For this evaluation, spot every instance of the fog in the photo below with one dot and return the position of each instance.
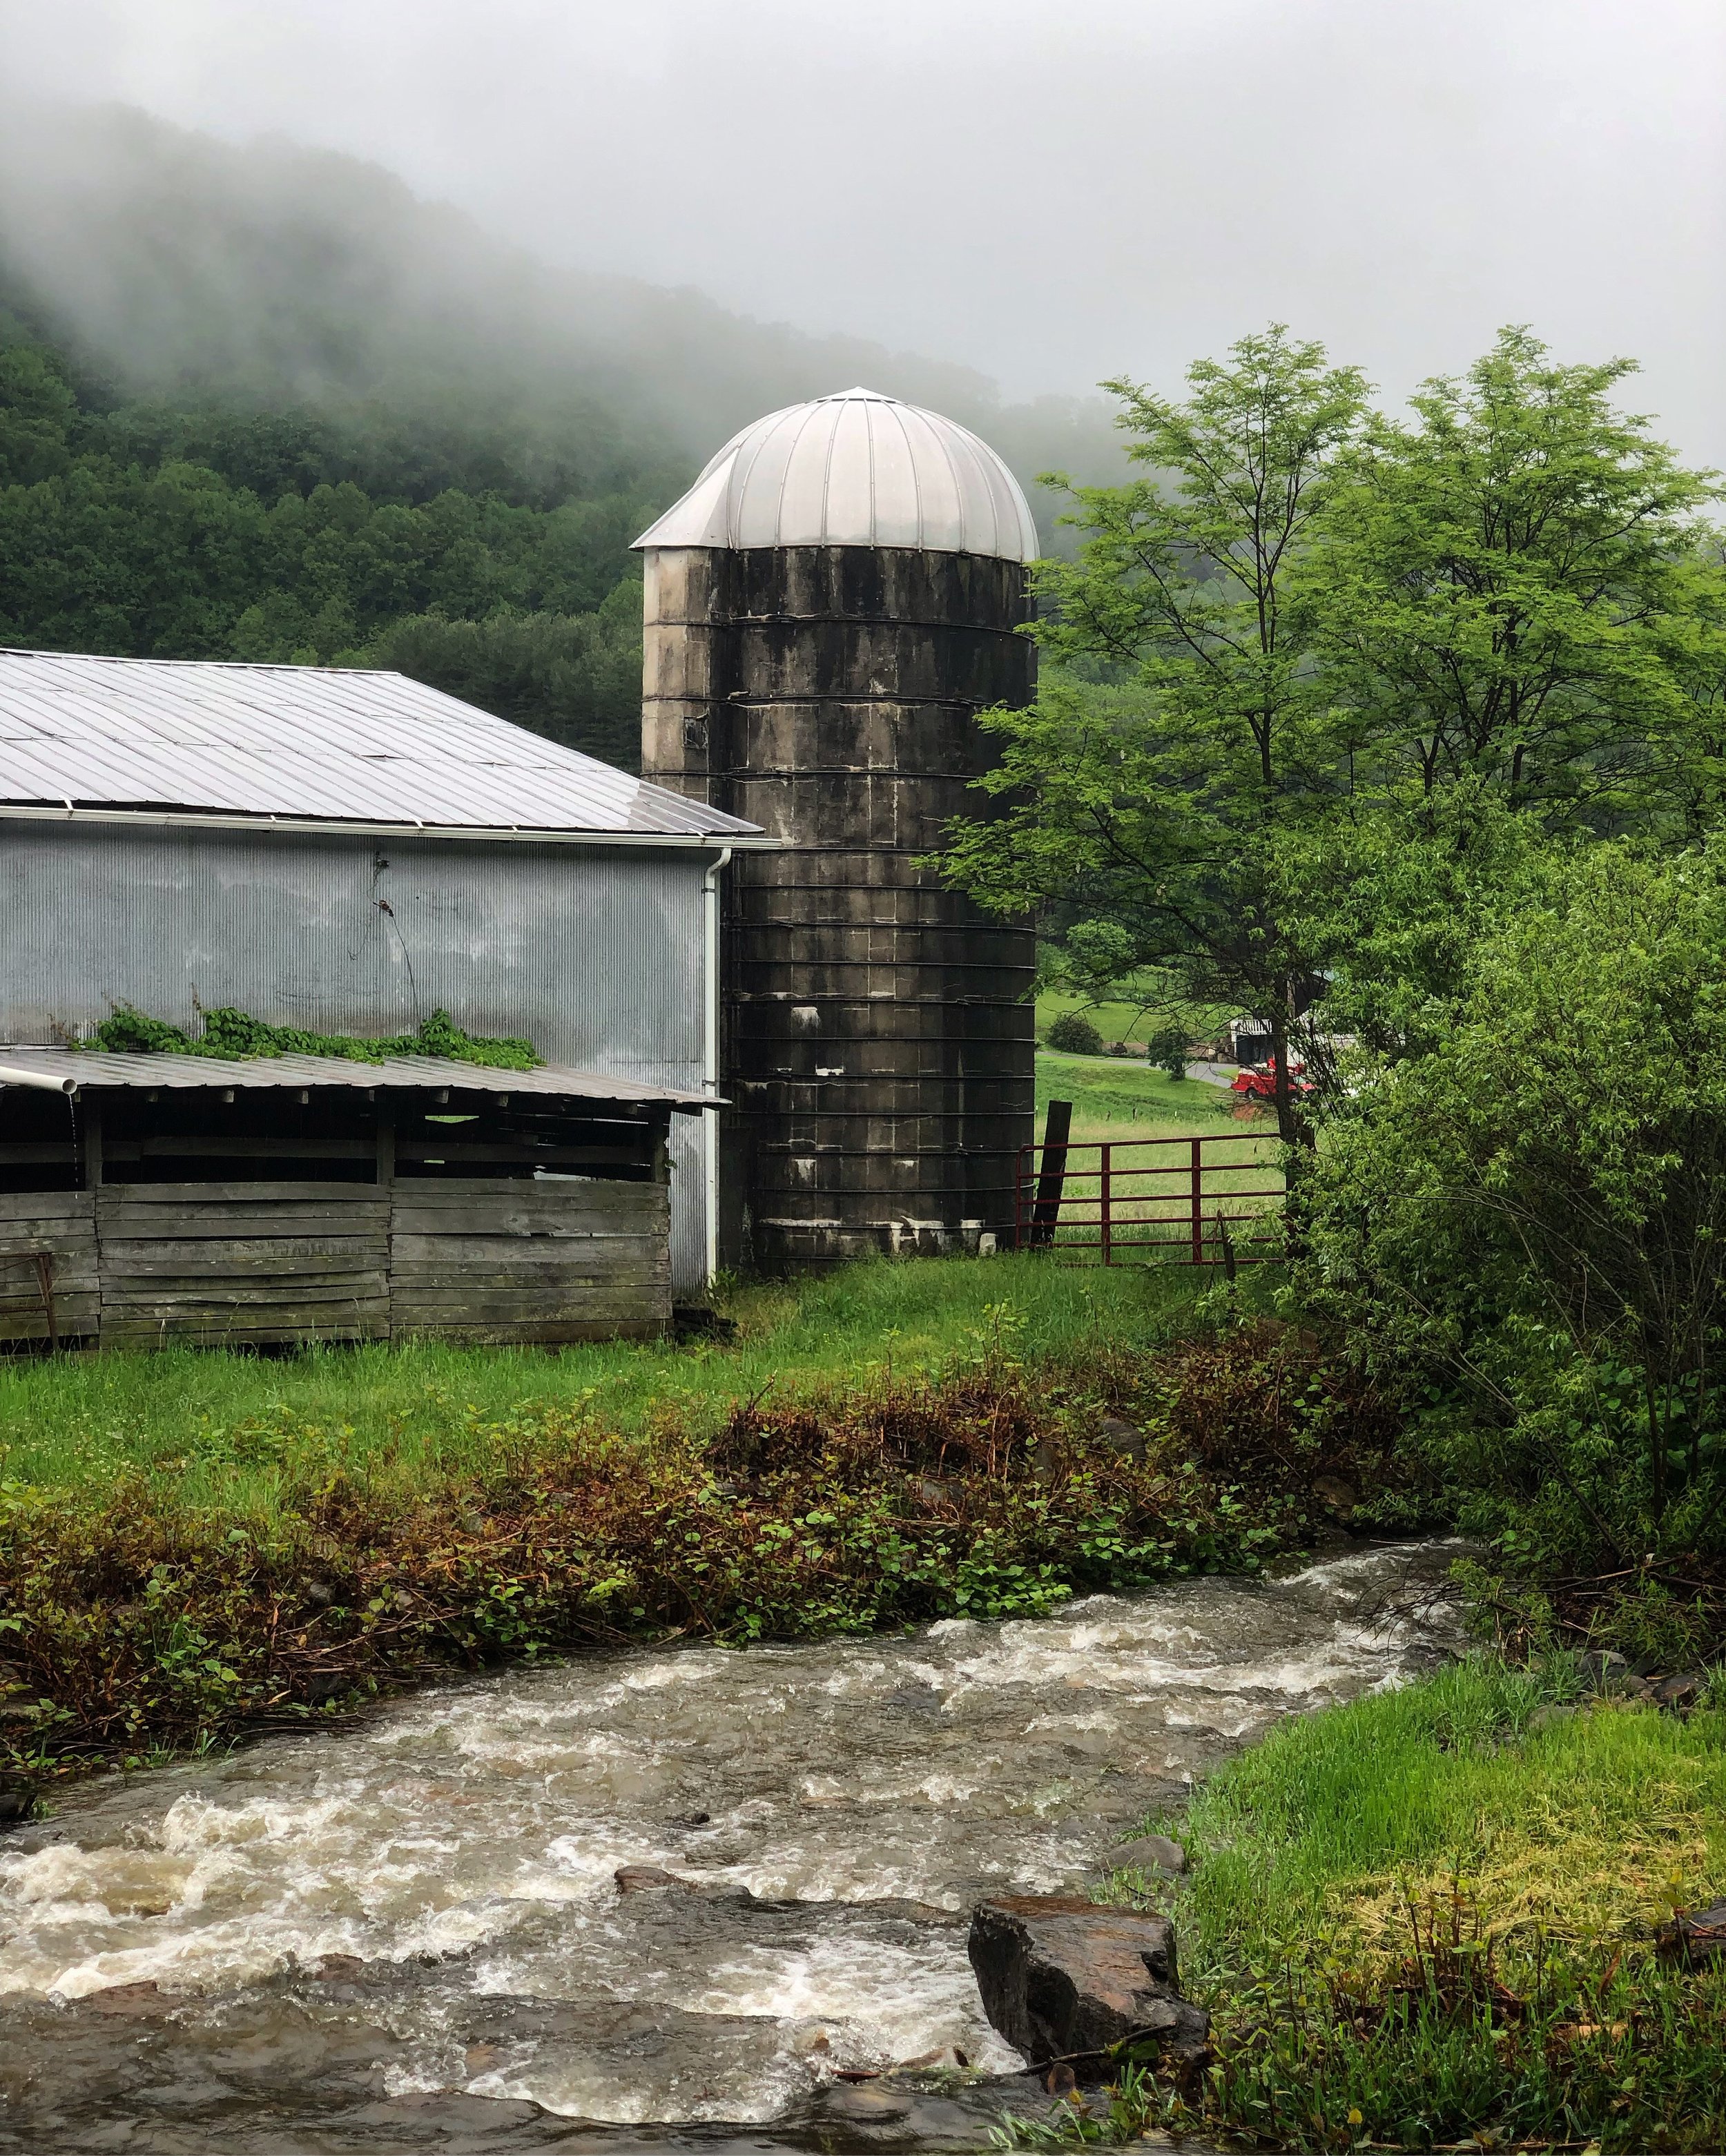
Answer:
(1045, 194)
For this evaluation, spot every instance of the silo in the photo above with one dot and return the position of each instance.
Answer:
(827, 610)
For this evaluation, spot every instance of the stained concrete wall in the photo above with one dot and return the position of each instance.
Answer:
(878, 1039)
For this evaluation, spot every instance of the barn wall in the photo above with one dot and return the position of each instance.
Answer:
(594, 953)
(223, 1264)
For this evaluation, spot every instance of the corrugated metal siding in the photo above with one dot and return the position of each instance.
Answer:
(301, 740)
(594, 954)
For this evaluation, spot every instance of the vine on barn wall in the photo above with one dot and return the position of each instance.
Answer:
(235, 1035)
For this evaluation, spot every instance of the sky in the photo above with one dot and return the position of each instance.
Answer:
(1052, 193)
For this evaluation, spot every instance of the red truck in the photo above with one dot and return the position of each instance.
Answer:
(1258, 1081)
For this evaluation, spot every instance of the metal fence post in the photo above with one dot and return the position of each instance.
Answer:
(1108, 1242)
(1198, 1201)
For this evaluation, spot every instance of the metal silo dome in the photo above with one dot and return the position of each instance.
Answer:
(854, 470)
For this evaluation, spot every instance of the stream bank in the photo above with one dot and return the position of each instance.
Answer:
(412, 1935)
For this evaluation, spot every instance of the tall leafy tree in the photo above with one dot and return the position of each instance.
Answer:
(1186, 746)
(1513, 590)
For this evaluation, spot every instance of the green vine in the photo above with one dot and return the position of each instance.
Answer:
(235, 1035)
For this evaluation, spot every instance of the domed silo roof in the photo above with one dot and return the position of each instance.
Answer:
(854, 470)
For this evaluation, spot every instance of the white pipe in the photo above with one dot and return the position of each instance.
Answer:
(709, 1048)
(12, 1075)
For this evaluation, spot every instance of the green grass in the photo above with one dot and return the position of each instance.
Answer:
(198, 1547)
(1587, 1828)
(1117, 1101)
(1113, 1096)
(1421, 1918)
(1128, 1021)
(219, 1428)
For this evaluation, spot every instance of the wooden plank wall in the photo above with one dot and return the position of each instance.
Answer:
(514, 1261)
(262, 1264)
(243, 1263)
(62, 1223)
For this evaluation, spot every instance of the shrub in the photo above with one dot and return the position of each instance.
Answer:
(1531, 1216)
(1074, 1035)
(1167, 1048)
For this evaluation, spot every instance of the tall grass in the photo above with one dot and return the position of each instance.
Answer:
(225, 1428)
(1426, 1919)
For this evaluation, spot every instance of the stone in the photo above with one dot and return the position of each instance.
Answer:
(1605, 1670)
(1549, 1717)
(1683, 1691)
(145, 2001)
(1340, 1495)
(1061, 1977)
(864, 2100)
(647, 1879)
(1146, 1852)
(18, 1803)
(1121, 1437)
(1693, 1936)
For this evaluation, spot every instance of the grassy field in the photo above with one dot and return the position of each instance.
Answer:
(1128, 1021)
(233, 1430)
(1117, 1096)
(1117, 1101)
(1426, 1919)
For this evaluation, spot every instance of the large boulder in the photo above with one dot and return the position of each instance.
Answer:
(1063, 1978)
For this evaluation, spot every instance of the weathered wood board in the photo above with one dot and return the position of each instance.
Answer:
(497, 1261)
(245, 1263)
(483, 1260)
(61, 1223)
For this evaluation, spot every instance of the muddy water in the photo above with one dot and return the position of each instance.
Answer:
(411, 1935)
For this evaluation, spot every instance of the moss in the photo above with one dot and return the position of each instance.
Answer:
(235, 1035)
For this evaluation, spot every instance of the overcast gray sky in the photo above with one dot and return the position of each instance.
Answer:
(1050, 192)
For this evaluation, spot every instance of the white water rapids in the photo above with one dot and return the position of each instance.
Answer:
(409, 1934)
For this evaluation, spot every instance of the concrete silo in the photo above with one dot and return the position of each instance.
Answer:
(827, 610)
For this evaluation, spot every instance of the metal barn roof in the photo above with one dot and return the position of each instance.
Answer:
(70, 1069)
(854, 470)
(296, 744)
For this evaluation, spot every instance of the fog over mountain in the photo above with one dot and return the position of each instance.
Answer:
(1045, 195)
(175, 265)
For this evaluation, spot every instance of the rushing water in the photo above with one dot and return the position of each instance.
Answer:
(411, 1935)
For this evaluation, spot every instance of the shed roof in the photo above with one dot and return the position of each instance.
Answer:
(71, 1070)
(326, 744)
(854, 470)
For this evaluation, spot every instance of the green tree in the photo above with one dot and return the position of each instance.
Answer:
(209, 534)
(38, 414)
(1185, 743)
(574, 678)
(1533, 1212)
(1513, 588)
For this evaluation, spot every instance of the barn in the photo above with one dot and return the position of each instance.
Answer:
(344, 853)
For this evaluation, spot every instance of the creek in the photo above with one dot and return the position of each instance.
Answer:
(409, 1933)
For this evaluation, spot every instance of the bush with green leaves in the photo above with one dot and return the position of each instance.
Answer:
(1074, 1035)
(1166, 1049)
(1528, 1220)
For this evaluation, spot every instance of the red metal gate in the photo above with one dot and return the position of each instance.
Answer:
(1215, 1198)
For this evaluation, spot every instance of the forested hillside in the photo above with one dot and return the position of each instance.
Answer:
(154, 532)
(262, 404)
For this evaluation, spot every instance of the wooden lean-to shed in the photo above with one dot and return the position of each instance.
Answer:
(345, 853)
